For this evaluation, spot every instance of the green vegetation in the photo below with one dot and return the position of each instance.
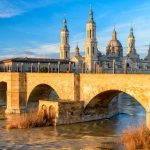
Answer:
(44, 69)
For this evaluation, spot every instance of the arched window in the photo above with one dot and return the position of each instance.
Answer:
(90, 33)
(87, 51)
(66, 40)
(66, 55)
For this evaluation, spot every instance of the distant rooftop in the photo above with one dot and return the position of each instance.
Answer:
(35, 60)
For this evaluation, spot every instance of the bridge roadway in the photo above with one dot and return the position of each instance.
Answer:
(18, 89)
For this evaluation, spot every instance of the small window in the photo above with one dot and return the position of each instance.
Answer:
(90, 33)
(88, 51)
(66, 55)
(66, 40)
(93, 50)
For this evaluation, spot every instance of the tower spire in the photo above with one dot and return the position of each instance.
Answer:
(65, 24)
(114, 34)
(131, 42)
(77, 50)
(91, 15)
(131, 32)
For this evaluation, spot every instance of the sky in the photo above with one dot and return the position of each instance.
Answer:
(31, 28)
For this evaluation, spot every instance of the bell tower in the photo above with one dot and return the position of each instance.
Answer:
(91, 44)
(65, 47)
(131, 42)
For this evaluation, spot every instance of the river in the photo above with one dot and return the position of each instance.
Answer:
(95, 135)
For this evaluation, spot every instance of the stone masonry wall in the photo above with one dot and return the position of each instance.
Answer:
(73, 112)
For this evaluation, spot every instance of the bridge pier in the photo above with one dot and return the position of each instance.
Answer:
(148, 119)
(16, 94)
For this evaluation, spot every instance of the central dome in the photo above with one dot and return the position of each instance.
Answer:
(114, 46)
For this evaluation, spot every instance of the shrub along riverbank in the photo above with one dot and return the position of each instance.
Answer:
(31, 120)
(136, 138)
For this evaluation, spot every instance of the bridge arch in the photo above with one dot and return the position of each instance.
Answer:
(40, 92)
(3, 93)
(102, 100)
(109, 93)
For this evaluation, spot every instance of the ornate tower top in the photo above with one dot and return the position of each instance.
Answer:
(77, 50)
(131, 35)
(91, 20)
(65, 25)
(114, 34)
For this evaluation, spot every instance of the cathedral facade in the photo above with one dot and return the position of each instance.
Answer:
(112, 61)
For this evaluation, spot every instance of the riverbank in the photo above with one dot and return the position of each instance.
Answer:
(134, 138)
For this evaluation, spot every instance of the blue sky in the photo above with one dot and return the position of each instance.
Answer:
(31, 28)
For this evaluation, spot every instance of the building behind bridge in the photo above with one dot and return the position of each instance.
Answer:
(36, 65)
(93, 61)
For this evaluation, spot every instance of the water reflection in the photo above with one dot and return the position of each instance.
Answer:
(89, 135)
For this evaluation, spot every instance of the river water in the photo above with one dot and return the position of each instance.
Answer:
(95, 135)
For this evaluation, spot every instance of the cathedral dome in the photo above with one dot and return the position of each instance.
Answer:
(115, 43)
(114, 46)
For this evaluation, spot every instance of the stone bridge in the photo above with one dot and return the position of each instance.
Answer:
(19, 89)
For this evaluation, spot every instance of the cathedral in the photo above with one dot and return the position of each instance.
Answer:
(113, 60)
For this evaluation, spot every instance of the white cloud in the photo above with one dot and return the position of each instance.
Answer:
(12, 8)
(138, 9)
(8, 10)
